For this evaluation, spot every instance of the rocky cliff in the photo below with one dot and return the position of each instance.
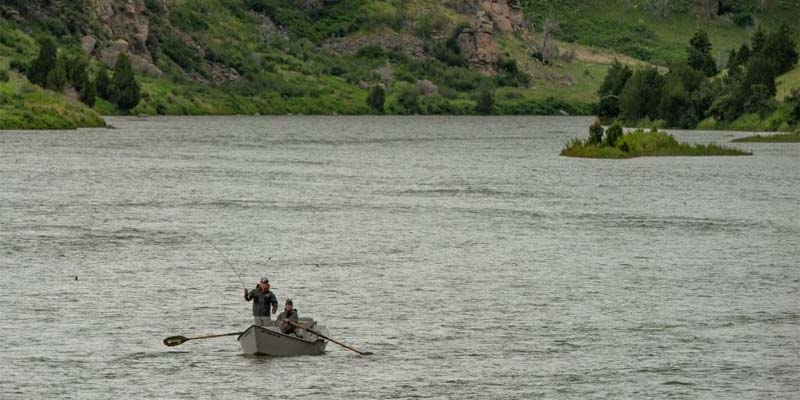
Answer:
(489, 18)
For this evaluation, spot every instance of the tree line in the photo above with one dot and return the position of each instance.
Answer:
(55, 70)
(695, 89)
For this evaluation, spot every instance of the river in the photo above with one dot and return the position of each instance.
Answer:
(463, 251)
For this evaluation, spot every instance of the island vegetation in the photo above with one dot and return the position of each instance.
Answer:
(792, 137)
(615, 143)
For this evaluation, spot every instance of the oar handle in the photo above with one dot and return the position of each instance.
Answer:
(296, 325)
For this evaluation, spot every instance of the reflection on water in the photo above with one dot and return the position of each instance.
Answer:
(464, 252)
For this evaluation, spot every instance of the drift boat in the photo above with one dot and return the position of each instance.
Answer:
(268, 340)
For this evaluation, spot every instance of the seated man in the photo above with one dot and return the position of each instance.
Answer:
(288, 314)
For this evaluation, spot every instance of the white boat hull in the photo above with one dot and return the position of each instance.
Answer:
(268, 340)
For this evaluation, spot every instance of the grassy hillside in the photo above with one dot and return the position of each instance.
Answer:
(276, 57)
(27, 106)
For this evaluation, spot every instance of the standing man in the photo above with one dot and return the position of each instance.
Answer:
(289, 314)
(262, 300)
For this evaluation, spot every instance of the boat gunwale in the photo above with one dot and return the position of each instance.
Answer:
(239, 338)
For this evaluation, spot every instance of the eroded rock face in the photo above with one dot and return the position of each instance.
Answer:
(126, 20)
(477, 45)
(491, 17)
(507, 15)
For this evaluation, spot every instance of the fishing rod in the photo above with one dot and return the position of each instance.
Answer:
(227, 262)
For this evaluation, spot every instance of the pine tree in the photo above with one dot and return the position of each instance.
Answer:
(57, 77)
(43, 64)
(758, 40)
(699, 54)
(124, 89)
(89, 94)
(101, 83)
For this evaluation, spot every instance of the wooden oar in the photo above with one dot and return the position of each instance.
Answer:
(296, 325)
(176, 340)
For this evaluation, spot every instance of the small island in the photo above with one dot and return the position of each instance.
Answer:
(776, 138)
(615, 143)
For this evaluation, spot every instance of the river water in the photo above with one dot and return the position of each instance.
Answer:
(464, 252)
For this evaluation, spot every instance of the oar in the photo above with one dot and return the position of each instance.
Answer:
(176, 340)
(296, 325)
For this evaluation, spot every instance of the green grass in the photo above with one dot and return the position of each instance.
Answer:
(645, 144)
(787, 82)
(636, 29)
(777, 138)
(27, 106)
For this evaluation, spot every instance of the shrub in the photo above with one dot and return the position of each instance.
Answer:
(613, 134)
(408, 101)
(485, 104)
(19, 66)
(596, 132)
(376, 98)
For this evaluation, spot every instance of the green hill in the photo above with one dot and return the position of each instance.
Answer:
(324, 56)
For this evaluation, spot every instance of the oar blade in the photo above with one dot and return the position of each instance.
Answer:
(175, 340)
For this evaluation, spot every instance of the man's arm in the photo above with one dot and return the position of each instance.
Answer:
(274, 304)
(247, 296)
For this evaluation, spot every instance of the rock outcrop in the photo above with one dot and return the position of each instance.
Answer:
(491, 17)
(126, 20)
(477, 45)
(507, 15)
(126, 24)
(387, 40)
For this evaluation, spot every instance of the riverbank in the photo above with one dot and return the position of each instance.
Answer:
(26, 106)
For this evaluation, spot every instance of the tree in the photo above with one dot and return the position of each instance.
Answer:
(759, 72)
(792, 101)
(641, 96)
(89, 94)
(615, 80)
(57, 77)
(44, 63)
(485, 104)
(78, 75)
(376, 98)
(779, 47)
(124, 88)
(739, 59)
(699, 54)
(760, 100)
(758, 40)
(596, 132)
(682, 102)
(101, 83)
